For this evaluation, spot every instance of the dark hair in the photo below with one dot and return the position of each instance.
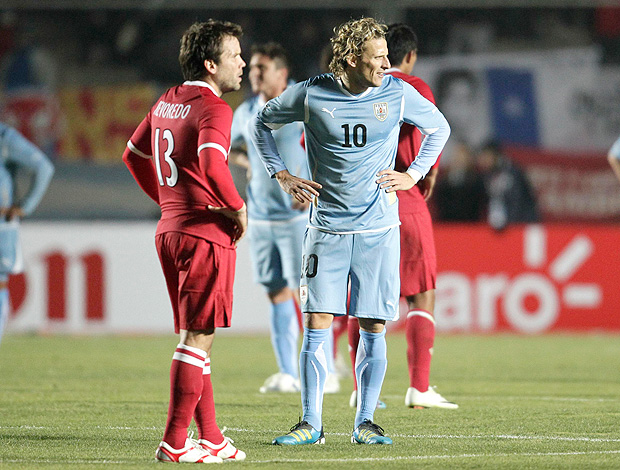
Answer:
(274, 51)
(203, 41)
(400, 41)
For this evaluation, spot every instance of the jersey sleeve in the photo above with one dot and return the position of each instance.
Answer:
(25, 154)
(213, 147)
(288, 107)
(422, 113)
(140, 141)
(139, 161)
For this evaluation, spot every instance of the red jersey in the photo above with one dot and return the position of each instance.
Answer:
(188, 134)
(409, 142)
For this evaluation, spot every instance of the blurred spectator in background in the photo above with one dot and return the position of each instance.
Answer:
(614, 158)
(460, 193)
(510, 195)
(16, 153)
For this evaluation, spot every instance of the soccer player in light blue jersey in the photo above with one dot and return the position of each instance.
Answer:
(16, 152)
(614, 158)
(277, 221)
(352, 120)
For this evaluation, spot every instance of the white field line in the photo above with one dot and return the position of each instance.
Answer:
(363, 459)
(522, 397)
(406, 436)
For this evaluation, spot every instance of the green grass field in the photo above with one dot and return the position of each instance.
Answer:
(525, 402)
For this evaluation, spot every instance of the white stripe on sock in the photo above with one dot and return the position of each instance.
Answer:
(421, 313)
(188, 359)
(198, 351)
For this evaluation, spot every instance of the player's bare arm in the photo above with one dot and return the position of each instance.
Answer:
(427, 185)
(240, 219)
(392, 180)
(302, 190)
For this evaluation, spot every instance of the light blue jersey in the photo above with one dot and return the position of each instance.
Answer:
(349, 139)
(18, 152)
(614, 151)
(266, 200)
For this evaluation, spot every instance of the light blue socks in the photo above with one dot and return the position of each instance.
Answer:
(284, 336)
(313, 369)
(370, 367)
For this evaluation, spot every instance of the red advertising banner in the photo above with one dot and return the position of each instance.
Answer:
(569, 186)
(529, 279)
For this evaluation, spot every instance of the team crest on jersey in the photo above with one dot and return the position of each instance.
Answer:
(381, 111)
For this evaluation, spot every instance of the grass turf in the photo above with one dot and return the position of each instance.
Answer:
(525, 402)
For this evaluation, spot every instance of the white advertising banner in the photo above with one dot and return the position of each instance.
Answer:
(104, 277)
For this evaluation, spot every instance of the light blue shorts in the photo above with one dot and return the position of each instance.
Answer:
(369, 261)
(276, 252)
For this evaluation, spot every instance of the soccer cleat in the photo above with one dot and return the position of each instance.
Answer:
(428, 399)
(369, 433)
(301, 433)
(353, 402)
(225, 451)
(332, 384)
(191, 453)
(280, 383)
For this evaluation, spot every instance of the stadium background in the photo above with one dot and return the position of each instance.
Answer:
(543, 77)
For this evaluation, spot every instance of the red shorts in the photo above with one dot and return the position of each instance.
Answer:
(418, 261)
(199, 275)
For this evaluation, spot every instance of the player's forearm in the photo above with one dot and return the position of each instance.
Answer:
(266, 145)
(143, 172)
(220, 180)
(43, 175)
(430, 150)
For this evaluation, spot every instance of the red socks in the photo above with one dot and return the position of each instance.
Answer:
(205, 410)
(420, 332)
(185, 389)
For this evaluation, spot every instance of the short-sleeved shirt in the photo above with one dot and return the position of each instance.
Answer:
(185, 120)
(349, 139)
(266, 200)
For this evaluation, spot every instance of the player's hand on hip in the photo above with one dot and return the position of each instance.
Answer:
(13, 212)
(302, 190)
(392, 180)
(239, 218)
(427, 185)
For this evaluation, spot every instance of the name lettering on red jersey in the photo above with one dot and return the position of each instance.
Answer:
(172, 111)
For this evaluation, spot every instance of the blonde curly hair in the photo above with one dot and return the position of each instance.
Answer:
(349, 40)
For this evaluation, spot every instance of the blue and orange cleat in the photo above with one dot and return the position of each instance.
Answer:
(301, 433)
(369, 433)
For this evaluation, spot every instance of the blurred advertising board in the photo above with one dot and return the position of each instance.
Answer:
(91, 278)
(99, 120)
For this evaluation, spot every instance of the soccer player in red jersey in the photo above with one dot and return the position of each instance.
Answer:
(418, 263)
(179, 157)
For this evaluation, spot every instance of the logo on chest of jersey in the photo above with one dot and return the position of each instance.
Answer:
(381, 111)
